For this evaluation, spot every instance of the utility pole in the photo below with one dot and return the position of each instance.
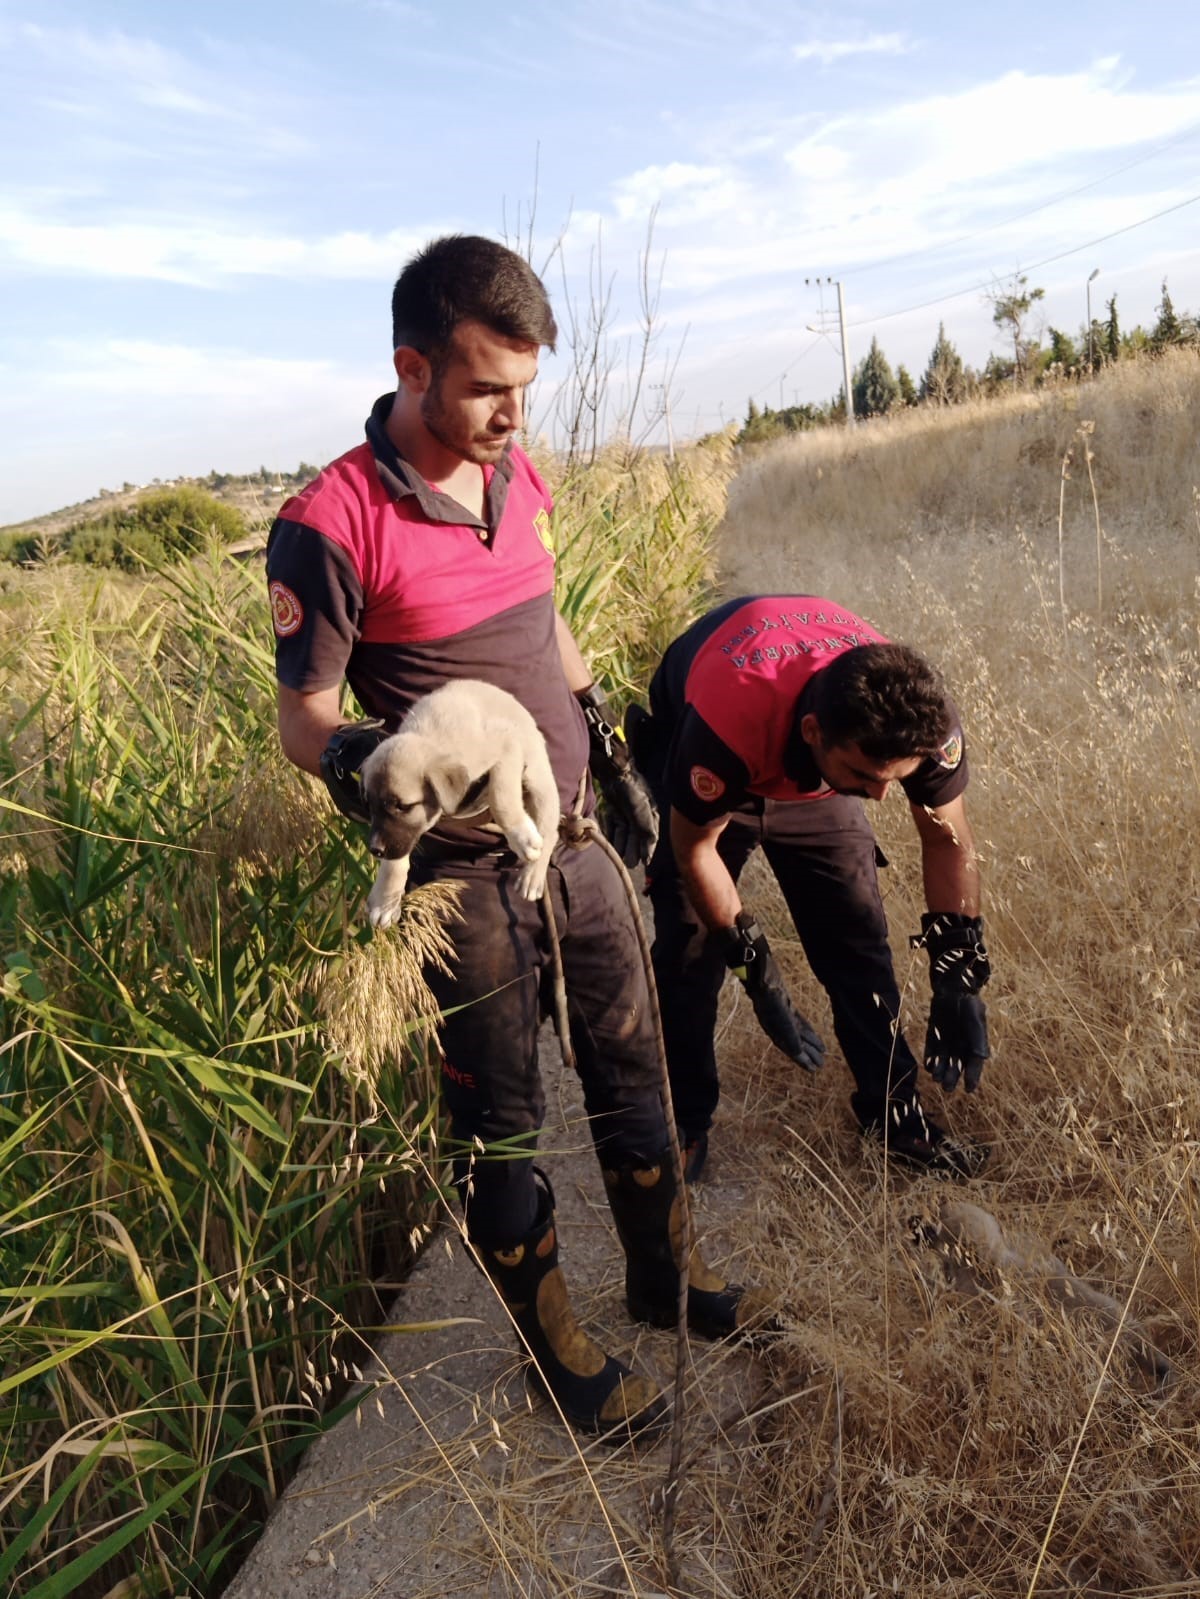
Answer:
(845, 357)
(845, 347)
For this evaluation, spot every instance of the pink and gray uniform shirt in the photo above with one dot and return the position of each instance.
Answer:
(732, 691)
(378, 577)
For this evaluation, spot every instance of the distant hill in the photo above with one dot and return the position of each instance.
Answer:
(256, 495)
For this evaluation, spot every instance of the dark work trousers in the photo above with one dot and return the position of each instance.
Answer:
(823, 855)
(499, 989)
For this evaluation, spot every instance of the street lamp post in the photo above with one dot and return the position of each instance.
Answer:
(1091, 332)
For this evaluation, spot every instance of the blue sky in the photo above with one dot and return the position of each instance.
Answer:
(202, 208)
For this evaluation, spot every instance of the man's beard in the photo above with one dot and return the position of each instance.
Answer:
(482, 450)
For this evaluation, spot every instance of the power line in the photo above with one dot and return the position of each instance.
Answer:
(975, 288)
(1077, 249)
(1019, 216)
(779, 376)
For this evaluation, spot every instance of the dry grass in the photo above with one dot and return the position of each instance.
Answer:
(823, 508)
(990, 1445)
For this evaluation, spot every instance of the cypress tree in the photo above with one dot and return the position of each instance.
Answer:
(1062, 350)
(1112, 333)
(944, 382)
(875, 386)
(1168, 329)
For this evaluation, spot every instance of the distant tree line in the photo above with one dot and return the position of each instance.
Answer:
(947, 380)
(263, 478)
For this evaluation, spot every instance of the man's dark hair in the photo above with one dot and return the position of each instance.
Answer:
(463, 277)
(886, 699)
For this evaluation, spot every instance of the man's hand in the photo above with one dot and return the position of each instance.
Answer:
(342, 763)
(956, 1040)
(627, 815)
(748, 956)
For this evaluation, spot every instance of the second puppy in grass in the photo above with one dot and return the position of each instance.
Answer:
(467, 752)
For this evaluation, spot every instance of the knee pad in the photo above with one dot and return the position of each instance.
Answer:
(499, 1198)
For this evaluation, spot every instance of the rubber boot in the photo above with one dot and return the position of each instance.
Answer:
(595, 1392)
(646, 1208)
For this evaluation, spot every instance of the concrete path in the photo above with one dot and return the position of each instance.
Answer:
(451, 1482)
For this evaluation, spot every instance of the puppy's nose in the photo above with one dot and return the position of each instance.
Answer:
(377, 848)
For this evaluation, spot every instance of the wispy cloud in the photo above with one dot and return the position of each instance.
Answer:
(682, 191)
(917, 174)
(935, 152)
(145, 71)
(197, 251)
(131, 368)
(827, 51)
(101, 97)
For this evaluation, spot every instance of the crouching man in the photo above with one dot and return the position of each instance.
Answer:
(772, 719)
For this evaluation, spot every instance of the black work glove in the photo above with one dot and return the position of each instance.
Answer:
(342, 762)
(956, 1040)
(748, 956)
(627, 815)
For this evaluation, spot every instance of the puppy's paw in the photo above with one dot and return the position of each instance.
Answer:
(524, 839)
(531, 879)
(387, 893)
(383, 910)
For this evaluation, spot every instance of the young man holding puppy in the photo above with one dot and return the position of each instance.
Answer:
(771, 719)
(423, 556)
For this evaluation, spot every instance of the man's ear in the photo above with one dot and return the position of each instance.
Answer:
(810, 730)
(413, 370)
(449, 781)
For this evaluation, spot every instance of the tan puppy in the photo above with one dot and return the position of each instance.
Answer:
(468, 751)
(978, 1258)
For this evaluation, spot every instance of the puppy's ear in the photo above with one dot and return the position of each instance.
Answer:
(449, 781)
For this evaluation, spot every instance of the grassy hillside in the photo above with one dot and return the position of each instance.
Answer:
(254, 496)
(993, 1445)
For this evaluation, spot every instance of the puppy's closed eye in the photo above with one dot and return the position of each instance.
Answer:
(398, 807)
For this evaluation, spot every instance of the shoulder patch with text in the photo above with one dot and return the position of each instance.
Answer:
(287, 613)
(706, 785)
(950, 753)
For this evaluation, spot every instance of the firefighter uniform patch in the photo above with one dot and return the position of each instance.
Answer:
(287, 614)
(706, 785)
(950, 753)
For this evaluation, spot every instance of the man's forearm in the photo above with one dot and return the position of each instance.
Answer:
(575, 668)
(949, 865)
(306, 724)
(951, 878)
(705, 876)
